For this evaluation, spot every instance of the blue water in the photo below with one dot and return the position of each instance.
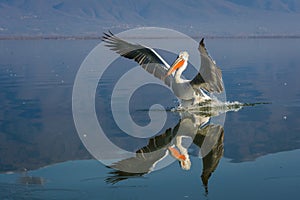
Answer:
(274, 176)
(42, 157)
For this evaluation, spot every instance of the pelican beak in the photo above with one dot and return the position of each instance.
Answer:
(176, 65)
(175, 153)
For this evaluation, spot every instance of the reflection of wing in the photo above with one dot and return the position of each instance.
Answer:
(211, 160)
(145, 159)
(117, 176)
(211, 131)
(209, 76)
(131, 164)
(149, 59)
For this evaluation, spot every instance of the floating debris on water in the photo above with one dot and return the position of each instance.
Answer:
(284, 117)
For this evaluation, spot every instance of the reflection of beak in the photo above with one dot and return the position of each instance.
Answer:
(176, 65)
(175, 153)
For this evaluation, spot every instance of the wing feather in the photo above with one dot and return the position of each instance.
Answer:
(149, 59)
(209, 76)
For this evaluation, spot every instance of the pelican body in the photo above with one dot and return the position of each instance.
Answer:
(189, 92)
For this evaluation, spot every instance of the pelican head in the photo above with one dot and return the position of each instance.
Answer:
(184, 55)
(179, 62)
(186, 163)
(183, 159)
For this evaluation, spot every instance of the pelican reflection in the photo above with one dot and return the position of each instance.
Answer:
(193, 135)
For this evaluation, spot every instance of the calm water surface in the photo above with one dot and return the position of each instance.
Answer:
(256, 155)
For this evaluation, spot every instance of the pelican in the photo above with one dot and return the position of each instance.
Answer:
(189, 92)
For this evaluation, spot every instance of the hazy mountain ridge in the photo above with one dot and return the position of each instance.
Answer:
(274, 5)
(224, 17)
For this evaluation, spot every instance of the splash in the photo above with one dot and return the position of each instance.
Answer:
(216, 107)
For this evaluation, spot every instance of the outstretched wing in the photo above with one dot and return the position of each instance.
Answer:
(149, 59)
(209, 76)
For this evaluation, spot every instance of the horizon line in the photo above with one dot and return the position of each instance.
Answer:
(98, 37)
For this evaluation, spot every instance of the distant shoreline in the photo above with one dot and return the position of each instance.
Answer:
(98, 37)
